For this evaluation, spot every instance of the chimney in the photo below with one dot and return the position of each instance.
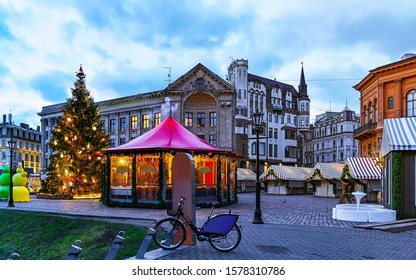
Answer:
(10, 118)
(4, 119)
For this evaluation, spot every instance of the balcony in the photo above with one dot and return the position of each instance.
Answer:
(365, 131)
(278, 108)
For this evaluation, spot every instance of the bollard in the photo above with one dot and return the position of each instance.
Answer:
(115, 247)
(145, 243)
(74, 251)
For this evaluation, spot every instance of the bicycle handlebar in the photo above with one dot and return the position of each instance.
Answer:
(181, 201)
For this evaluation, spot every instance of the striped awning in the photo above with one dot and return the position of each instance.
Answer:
(244, 174)
(329, 170)
(291, 173)
(364, 168)
(399, 134)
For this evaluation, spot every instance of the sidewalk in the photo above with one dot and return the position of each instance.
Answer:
(295, 228)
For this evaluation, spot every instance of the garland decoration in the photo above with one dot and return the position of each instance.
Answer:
(397, 188)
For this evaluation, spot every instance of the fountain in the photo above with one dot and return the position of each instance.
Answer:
(362, 213)
(358, 196)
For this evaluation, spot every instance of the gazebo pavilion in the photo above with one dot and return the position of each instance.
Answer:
(138, 173)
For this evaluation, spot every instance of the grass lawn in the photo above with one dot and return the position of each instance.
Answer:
(42, 236)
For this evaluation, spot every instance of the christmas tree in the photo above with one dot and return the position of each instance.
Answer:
(77, 142)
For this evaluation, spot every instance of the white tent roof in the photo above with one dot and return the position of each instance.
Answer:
(329, 170)
(244, 174)
(291, 173)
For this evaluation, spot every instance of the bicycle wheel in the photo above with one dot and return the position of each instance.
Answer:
(227, 242)
(170, 233)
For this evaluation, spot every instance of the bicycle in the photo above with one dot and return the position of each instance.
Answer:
(221, 231)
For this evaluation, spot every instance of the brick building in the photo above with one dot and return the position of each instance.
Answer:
(388, 91)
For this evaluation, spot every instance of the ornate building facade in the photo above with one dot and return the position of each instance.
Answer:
(388, 91)
(332, 136)
(214, 109)
(286, 117)
(28, 145)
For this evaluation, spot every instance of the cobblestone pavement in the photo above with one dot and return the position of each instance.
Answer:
(295, 228)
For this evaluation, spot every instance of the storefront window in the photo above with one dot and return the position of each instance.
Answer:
(205, 178)
(147, 172)
(121, 177)
(121, 173)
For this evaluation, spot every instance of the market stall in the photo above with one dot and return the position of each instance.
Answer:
(138, 173)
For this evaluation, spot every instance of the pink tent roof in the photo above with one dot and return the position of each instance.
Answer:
(169, 135)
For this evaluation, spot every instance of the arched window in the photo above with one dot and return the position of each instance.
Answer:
(390, 103)
(411, 103)
(365, 114)
(370, 108)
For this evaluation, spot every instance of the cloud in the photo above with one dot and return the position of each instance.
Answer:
(22, 102)
(124, 46)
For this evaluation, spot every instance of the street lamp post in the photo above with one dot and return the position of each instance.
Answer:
(12, 145)
(257, 120)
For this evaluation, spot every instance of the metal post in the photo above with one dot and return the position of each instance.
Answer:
(257, 122)
(115, 246)
(74, 250)
(257, 212)
(11, 145)
(145, 243)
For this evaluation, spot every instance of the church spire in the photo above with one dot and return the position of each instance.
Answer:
(303, 87)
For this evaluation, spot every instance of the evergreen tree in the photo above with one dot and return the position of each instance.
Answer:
(77, 143)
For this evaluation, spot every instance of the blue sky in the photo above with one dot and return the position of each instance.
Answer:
(125, 46)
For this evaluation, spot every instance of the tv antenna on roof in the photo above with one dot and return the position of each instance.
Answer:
(169, 80)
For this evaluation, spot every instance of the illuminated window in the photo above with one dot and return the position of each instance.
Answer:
(145, 121)
(157, 119)
(188, 119)
(133, 122)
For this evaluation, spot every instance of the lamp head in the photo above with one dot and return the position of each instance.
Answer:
(12, 143)
(257, 118)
